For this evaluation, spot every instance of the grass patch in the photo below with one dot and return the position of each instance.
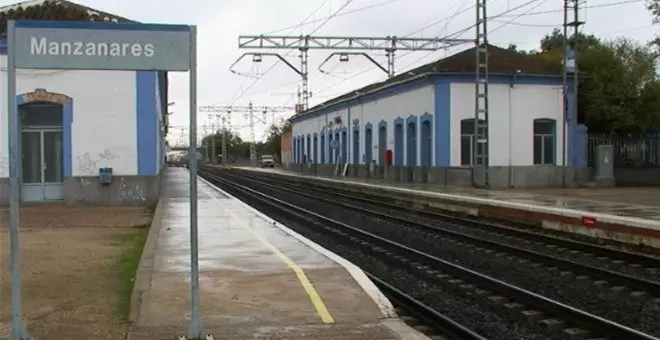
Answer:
(126, 267)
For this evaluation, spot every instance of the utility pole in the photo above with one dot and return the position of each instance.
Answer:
(249, 111)
(570, 65)
(389, 44)
(480, 143)
(214, 131)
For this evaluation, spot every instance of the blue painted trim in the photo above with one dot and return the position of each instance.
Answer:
(67, 121)
(315, 148)
(411, 148)
(434, 79)
(331, 153)
(67, 113)
(399, 133)
(86, 25)
(356, 143)
(368, 143)
(308, 148)
(382, 126)
(146, 114)
(442, 133)
(322, 158)
(424, 142)
(571, 130)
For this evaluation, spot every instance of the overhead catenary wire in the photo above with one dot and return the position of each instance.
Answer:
(353, 11)
(286, 55)
(504, 14)
(448, 36)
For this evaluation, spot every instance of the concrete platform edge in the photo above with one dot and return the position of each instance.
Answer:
(358, 275)
(607, 218)
(142, 282)
(623, 229)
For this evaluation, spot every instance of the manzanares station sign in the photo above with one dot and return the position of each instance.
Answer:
(101, 46)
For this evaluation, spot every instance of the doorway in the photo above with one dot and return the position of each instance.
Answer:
(42, 149)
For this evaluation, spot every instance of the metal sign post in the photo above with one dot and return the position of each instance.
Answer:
(37, 44)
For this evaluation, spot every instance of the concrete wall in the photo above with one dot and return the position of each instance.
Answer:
(114, 121)
(500, 177)
(513, 110)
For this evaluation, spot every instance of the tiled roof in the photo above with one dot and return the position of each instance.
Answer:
(54, 10)
(500, 61)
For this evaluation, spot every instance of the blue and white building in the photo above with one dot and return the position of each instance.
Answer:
(75, 122)
(425, 117)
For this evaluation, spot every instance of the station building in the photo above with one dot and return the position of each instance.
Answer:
(76, 122)
(425, 119)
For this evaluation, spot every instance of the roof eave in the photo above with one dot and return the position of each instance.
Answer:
(360, 95)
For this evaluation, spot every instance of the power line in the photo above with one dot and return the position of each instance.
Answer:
(286, 55)
(353, 11)
(501, 14)
(592, 6)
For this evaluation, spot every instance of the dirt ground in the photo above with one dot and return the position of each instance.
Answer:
(77, 266)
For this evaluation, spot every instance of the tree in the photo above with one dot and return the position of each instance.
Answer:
(618, 94)
(620, 91)
(236, 147)
(273, 144)
(514, 48)
(555, 41)
(654, 7)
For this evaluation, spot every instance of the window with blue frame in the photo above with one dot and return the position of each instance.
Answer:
(544, 142)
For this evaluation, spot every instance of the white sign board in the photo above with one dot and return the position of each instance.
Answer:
(101, 46)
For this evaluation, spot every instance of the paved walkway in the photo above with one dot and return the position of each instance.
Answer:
(255, 278)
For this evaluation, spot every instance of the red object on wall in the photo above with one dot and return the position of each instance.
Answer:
(388, 157)
(589, 221)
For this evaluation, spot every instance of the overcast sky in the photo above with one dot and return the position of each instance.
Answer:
(221, 22)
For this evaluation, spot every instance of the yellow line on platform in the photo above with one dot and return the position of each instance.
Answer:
(313, 295)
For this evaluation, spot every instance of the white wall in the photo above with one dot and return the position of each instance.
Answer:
(104, 129)
(512, 112)
(416, 102)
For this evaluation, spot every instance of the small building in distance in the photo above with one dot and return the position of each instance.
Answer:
(424, 119)
(74, 122)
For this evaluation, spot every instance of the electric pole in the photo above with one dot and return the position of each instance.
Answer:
(249, 111)
(569, 64)
(389, 44)
(214, 130)
(480, 142)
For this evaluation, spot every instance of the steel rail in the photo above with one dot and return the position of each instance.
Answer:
(576, 316)
(631, 257)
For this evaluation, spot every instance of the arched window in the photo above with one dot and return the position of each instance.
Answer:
(545, 142)
(467, 142)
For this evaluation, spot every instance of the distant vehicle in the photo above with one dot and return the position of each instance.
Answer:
(267, 161)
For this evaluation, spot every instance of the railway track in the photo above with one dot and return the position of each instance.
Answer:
(548, 317)
(636, 271)
(632, 259)
(437, 325)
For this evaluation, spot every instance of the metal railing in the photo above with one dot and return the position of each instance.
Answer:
(630, 151)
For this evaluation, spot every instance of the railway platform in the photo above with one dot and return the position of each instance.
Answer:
(578, 213)
(258, 279)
